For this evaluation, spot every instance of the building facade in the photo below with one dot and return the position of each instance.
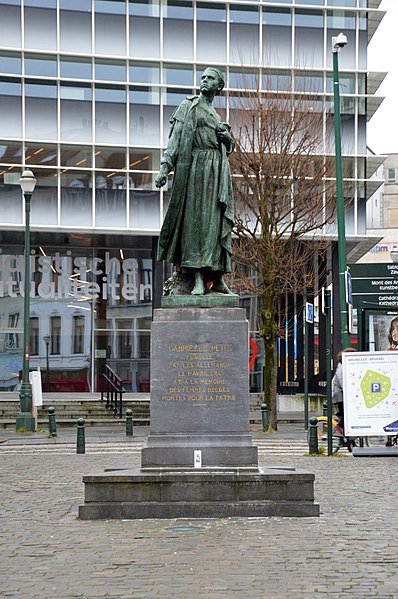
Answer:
(87, 88)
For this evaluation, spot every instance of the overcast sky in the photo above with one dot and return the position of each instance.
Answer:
(383, 56)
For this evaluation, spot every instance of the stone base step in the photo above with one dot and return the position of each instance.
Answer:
(131, 494)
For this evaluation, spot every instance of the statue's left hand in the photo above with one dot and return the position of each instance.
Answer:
(224, 136)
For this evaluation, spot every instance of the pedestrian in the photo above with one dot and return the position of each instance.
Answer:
(197, 229)
(337, 388)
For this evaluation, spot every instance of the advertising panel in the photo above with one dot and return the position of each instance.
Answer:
(370, 381)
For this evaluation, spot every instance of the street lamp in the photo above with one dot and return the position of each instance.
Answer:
(47, 340)
(339, 42)
(25, 420)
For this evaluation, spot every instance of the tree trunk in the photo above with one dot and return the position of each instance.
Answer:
(269, 336)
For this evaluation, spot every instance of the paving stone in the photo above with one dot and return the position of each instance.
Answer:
(47, 553)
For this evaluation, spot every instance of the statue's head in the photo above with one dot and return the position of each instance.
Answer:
(219, 76)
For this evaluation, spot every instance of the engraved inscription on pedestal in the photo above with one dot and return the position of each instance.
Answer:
(199, 386)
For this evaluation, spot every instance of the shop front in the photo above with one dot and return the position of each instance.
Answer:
(90, 305)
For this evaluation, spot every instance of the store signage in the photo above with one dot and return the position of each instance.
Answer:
(67, 277)
(370, 393)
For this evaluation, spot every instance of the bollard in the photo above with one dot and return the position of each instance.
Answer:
(325, 409)
(264, 416)
(52, 425)
(81, 440)
(313, 436)
(129, 423)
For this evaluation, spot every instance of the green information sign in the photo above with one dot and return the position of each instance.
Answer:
(374, 285)
(373, 270)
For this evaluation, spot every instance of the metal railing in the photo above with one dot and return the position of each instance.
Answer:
(112, 388)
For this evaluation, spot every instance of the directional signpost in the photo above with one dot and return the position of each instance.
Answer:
(374, 285)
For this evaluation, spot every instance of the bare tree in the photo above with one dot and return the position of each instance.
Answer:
(284, 201)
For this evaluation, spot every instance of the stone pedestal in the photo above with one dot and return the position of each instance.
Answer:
(129, 494)
(199, 390)
(199, 460)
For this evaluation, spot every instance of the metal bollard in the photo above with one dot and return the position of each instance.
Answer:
(81, 438)
(52, 425)
(264, 416)
(129, 423)
(313, 436)
(325, 409)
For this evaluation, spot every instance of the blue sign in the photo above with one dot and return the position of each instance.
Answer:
(375, 387)
(348, 288)
(309, 312)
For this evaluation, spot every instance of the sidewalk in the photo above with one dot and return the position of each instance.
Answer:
(289, 423)
(117, 433)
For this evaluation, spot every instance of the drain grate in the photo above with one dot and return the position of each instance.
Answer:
(184, 528)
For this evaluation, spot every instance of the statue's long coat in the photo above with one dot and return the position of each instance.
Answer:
(202, 186)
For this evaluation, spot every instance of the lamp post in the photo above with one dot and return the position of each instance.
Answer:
(25, 420)
(47, 339)
(339, 42)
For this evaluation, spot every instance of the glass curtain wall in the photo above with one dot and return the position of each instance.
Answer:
(107, 76)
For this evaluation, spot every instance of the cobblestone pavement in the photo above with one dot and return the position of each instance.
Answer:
(46, 552)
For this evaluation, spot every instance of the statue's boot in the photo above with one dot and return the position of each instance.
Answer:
(220, 286)
(199, 287)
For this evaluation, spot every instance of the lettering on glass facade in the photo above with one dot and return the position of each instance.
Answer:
(65, 277)
(58, 278)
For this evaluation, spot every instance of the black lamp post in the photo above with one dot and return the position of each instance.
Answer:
(47, 339)
(25, 420)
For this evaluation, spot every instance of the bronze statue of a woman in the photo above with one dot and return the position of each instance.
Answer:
(196, 233)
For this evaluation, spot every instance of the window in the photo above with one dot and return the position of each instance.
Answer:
(55, 328)
(391, 175)
(12, 341)
(78, 334)
(34, 336)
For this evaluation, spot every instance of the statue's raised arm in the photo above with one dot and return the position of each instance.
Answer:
(196, 233)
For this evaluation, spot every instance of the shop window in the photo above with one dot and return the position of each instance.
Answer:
(78, 334)
(55, 328)
(34, 336)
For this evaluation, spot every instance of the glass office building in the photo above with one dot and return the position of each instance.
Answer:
(87, 88)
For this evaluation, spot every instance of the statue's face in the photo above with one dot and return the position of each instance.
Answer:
(209, 82)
